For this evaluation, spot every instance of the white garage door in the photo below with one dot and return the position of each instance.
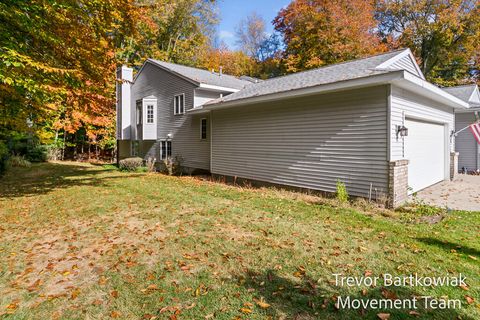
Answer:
(425, 149)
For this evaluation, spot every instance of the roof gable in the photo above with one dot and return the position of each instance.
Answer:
(468, 93)
(402, 61)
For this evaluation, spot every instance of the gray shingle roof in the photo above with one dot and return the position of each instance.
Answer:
(203, 76)
(329, 74)
(462, 92)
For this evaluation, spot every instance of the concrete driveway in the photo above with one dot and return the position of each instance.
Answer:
(461, 194)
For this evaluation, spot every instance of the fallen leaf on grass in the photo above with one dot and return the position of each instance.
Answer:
(472, 257)
(414, 313)
(75, 294)
(261, 303)
(246, 310)
(114, 293)
(115, 314)
(34, 286)
(469, 299)
(383, 316)
(464, 287)
(389, 294)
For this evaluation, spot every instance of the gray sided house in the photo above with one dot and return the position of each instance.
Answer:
(375, 124)
(465, 143)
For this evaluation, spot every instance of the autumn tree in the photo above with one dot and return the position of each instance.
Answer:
(443, 35)
(177, 31)
(321, 32)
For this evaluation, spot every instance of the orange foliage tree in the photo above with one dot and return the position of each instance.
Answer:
(321, 32)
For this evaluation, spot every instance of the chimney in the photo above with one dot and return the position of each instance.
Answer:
(123, 88)
(220, 71)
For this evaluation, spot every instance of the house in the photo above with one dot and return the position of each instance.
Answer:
(465, 143)
(374, 123)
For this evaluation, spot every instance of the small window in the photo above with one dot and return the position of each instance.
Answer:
(139, 112)
(179, 104)
(165, 149)
(150, 113)
(203, 129)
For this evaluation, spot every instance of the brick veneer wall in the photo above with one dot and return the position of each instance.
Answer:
(398, 183)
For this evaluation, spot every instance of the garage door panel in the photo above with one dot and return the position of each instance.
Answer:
(425, 150)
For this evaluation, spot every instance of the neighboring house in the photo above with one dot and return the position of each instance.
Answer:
(373, 123)
(465, 143)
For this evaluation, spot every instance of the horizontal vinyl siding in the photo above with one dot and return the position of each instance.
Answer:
(408, 104)
(405, 63)
(306, 142)
(185, 128)
(465, 143)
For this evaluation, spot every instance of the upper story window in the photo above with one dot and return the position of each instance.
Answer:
(179, 104)
(203, 129)
(150, 113)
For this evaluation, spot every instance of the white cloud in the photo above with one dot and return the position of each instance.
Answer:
(224, 34)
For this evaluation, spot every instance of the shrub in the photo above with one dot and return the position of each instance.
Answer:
(37, 153)
(173, 167)
(18, 161)
(130, 164)
(150, 164)
(341, 194)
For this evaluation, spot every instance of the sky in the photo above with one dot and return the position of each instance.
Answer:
(232, 11)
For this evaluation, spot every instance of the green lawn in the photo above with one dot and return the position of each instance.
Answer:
(81, 241)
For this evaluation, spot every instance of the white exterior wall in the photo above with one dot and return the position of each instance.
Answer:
(308, 142)
(406, 104)
(123, 87)
(203, 96)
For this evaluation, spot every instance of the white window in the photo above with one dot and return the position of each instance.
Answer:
(150, 118)
(203, 129)
(165, 149)
(179, 104)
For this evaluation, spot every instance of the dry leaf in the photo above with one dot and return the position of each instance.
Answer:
(469, 299)
(114, 293)
(262, 304)
(464, 287)
(383, 316)
(245, 310)
(389, 294)
(115, 314)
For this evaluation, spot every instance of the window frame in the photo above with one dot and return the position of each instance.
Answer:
(175, 104)
(165, 155)
(201, 129)
(152, 114)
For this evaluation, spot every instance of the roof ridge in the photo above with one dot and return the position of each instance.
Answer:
(195, 68)
(340, 63)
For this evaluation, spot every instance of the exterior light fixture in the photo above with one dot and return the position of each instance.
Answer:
(402, 131)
